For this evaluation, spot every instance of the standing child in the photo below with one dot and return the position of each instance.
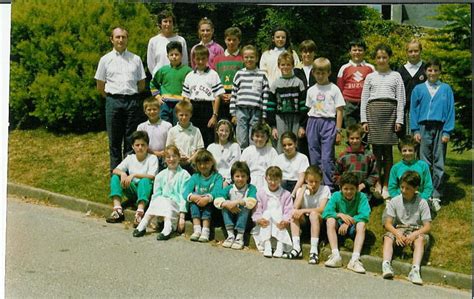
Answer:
(225, 150)
(292, 163)
(200, 190)
(325, 119)
(281, 42)
(227, 65)
(206, 34)
(203, 88)
(236, 204)
(133, 176)
(381, 112)
(286, 101)
(346, 214)
(167, 83)
(167, 200)
(249, 93)
(432, 121)
(309, 204)
(273, 214)
(407, 223)
(260, 155)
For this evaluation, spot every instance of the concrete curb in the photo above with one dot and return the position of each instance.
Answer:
(372, 264)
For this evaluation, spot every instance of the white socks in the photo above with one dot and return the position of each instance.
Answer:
(197, 229)
(240, 236)
(355, 256)
(230, 233)
(296, 243)
(335, 252)
(167, 227)
(144, 223)
(314, 245)
(205, 232)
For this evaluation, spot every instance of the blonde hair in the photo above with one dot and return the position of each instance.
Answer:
(322, 64)
(203, 21)
(184, 106)
(285, 56)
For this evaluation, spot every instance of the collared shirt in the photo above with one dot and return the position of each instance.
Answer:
(158, 132)
(413, 68)
(236, 53)
(202, 85)
(433, 87)
(120, 72)
(187, 140)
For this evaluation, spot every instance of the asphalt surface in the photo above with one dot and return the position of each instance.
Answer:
(54, 252)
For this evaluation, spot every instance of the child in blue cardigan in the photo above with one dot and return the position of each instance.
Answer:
(432, 121)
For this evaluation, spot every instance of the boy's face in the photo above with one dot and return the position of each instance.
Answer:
(273, 183)
(140, 147)
(408, 153)
(355, 140)
(206, 32)
(312, 183)
(433, 72)
(201, 62)
(414, 53)
(357, 54)
(175, 57)
(382, 59)
(321, 76)
(240, 179)
(183, 118)
(408, 191)
(279, 38)
(289, 147)
(232, 43)
(171, 159)
(167, 26)
(307, 57)
(348, 191)
(250, 59)
(153, 113)
(286, 68)
(260, 139)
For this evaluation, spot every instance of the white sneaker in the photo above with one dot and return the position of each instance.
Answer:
(387, 270)
(278, 253)
(228, 242)
(195, 236)
(435, 204)
(414, 276)
(356, 266)
(267, 252)
(334, 261)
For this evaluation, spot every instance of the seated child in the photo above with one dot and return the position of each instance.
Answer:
(167, 200)
(407, 223)
(272, 215)
(200, 190)
(407, 146)
(358, 160)
(346, 214)
(133, 176)
(236, 205)
(309, 204)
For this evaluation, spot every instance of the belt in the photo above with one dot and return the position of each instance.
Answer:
(122, 96)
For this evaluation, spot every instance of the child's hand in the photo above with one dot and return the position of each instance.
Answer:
(184, 158)
(346, 218)
(398, 127)
(275, 133)
(365, 126)
(411, 238)
(232, 206)
(234, 120)
(343, 229)
(361, 186)
(263, 222)
(125, 180)
(445, 139)
(160, 99)
(338, 138)
(203, 201)
(301, 132)
(212, 121)
(297, 213)
(400, 239)
(417, 137)
(283, 224)
(226, 97)
(181, 225)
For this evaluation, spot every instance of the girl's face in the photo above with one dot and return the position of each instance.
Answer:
(312, 183)
(223, 133)
(240, 179)
(279, 39)
(205, 33)
(250, 59)
(167, 26)
(382, 60)
(307, 57)
(414, 53)
(273, 183)
(289, 147)
(260, 139)
(204, 167)
(433, 73)
(172, 159)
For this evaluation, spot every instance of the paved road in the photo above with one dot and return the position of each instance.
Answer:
(54, 252)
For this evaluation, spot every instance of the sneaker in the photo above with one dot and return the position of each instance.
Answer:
(139, 233)
(267, 252)
(435, 204)
(195, 236)
(278, 253)
(414, 276)
(334, 261)
(203, 239)
(115, 217)
(387, 270)
(313, 259)
(238, 244)
(228, 242)
(356, 266)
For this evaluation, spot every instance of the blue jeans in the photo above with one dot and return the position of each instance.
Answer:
(433, 152)
(168, 111)
(351, 230)
(236, 221)
(247, 117)
(203, 213)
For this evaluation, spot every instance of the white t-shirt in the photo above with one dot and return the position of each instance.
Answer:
(157, 133)
(202, 85)
(130, 164)
(258, 160)
(292, 168)
(322, 100)
(157, 55)
(312, 201)
(413, 212)
(225, 156)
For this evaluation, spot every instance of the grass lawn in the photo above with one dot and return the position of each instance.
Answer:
(77, 165)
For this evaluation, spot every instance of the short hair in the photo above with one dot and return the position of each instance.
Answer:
(407, 140)
(203, 155)
(432, 62)
(285, 56)
(203, 21)
(322, 64)
(287, 44)
(357, 43)
(174, 45)
(173, 148)
(262, 127)
(250, 48)
(314, 171)
(233, 31)
(411, 178)
(274, 172)
(308, 45)
(140, 135)
(290, 135)
(118, 27)
(414, 41)
(349, 178)
(184, 106)
(150, 101)
(201, 50)
(164, 14)
(240, 166)
(231, 130)
(383, 47)
(354, 128)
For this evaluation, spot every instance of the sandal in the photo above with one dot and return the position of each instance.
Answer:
(313, 258)
(138, 218)
(293, 254)
(116, 216)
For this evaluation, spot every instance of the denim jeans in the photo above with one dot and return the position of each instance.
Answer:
(236, 221)
(203, 213)
(351, 230)
(168, 111)
(247, 117)
(433, 152)
(138, 191)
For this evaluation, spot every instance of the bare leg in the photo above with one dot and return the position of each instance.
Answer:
(360, 236)
(332, 234)
(418, 251)
(315, 220)
(387, 248)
